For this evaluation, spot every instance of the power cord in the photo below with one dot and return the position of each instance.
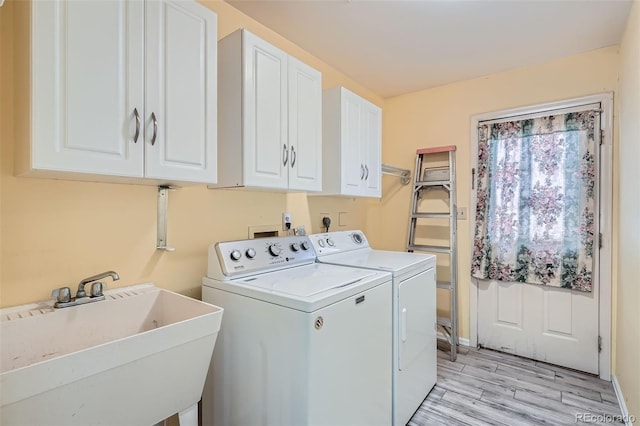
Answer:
(326, 221)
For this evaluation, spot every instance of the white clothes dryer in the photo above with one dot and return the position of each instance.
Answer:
(302, 343)
(413, 313)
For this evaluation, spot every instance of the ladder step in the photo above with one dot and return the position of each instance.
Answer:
(444, 321)
(430, 215)
(432, 183)
(433, 150)
(444, 285)
(433, 249)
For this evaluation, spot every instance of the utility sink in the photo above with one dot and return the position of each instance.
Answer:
(135, 358)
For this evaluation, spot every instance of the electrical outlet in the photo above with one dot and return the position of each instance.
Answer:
(462, 213)
(286, 221)
(321, 221)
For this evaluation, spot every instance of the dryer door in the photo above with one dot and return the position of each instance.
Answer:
(417, 343)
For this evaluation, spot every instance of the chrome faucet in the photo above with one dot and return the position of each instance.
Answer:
(82, 293)
(63, 294)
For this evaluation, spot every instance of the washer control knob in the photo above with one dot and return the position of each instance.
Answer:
(330, 242)
(321, 243)
(251, 253)
(295, 247)
(274, 250)
(357, 238)
(235, 255)
(304, 245)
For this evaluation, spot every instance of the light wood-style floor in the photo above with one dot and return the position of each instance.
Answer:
(485, 387)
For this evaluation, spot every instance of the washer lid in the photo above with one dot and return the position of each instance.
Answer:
(396, 262)
(307, 282)
(305, 288)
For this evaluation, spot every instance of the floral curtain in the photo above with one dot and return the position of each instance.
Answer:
(536, 200)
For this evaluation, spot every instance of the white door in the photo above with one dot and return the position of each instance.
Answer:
(88, 63)
(351, 144)
(305, 127)
(371, 149)
(545, 323)
(181, 80)
(266, 147)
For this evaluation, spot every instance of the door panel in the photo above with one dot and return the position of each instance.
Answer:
(181, 91)
(509, 313)
(558, 312)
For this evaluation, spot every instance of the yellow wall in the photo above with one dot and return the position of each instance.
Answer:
(628, 324)
(441, 116)
(54, 233)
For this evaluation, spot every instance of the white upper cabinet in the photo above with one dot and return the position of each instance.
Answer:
(264, 116)
(352, 144)
(110, 101)
(305, 127)
(181, 91)
(269, 115)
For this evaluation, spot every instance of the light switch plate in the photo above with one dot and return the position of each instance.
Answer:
(462, 213)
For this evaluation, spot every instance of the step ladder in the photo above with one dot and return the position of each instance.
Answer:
(434, 182)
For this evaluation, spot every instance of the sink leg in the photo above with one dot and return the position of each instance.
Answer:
(189, 416)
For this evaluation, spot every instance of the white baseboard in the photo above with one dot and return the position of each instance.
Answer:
(461, 340)
(623, 405)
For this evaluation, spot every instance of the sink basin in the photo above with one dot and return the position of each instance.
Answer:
(135, 358)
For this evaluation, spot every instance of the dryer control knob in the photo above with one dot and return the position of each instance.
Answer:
(330, 242)
(251, 253)
(274, 250)
(357, 238)
(295, 247)
(304, 245)
(235, 255)
(321, 243)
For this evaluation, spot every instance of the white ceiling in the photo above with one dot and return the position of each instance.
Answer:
(397, 46)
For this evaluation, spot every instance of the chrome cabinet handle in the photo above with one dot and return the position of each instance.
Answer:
(293, 157)
(137, 115)
(366, 168)
(361, 172)
(285, 155)
(155, 128)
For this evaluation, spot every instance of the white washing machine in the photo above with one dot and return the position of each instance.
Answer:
(302, 343)
(413, 312)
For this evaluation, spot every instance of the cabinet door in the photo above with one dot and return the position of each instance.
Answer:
(87, 80)
(351, 143)
(265, 143)
(305, 127)
(371, 149)
(181, 81)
